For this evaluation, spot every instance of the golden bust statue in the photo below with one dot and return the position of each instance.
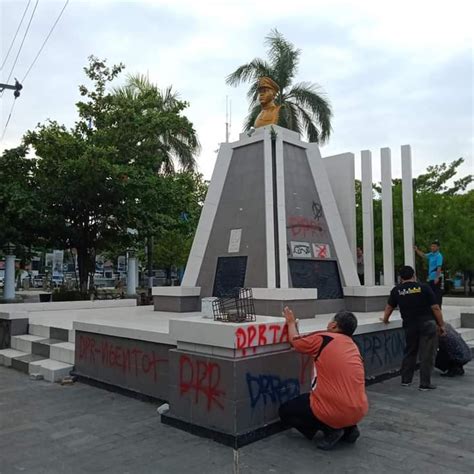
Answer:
(267, 91)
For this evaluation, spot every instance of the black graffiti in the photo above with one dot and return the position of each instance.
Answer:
(317, 210)
(381, 348)
(271, 389)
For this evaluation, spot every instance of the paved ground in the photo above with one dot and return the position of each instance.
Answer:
(47, 428)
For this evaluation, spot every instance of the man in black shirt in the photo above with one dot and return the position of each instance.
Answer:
(420, 314)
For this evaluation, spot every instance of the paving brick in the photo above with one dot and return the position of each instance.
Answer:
(46, 428)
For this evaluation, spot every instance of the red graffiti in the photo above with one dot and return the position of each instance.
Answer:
(302, 226)
(251, 337)
(129, 360)
(201, 378)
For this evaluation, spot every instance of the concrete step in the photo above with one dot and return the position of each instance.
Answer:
(50, 332)
(62, 352)
(6, 356)
(51, 370)
(38, 330)
(24, 343)
(22, 363)
(43, 347)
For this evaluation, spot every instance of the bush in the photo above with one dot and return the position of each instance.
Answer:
(63, 294)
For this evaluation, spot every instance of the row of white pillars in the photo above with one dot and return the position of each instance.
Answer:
(387, 214)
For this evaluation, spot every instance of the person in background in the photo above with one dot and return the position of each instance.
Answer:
(422, 321)
(453, 353)
(360, 265)
(337, 401)
(435, 268)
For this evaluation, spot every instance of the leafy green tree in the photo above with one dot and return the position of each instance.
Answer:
(303, 107)
(110, 172)
(173, 243)
(143, 105)
(17, 204)
(443, 210)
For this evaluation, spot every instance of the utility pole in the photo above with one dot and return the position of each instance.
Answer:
(17, 87)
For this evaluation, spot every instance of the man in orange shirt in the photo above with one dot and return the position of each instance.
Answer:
(337, 401)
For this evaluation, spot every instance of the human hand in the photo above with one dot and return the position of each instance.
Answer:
(415, 248)
(289, 316)
(436, 281)
(384, 320)
(442, 330)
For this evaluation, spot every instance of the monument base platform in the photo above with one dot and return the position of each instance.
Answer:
(233, 441)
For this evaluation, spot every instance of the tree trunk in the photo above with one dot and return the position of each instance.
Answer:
(83, 263)
(150, 261)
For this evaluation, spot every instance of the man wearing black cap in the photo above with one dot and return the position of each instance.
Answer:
(422, 322)
(435, 267)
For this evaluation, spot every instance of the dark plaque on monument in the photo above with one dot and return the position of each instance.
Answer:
(320, 274)
(230, 274)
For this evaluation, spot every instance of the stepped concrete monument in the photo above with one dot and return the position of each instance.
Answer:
(278, 222)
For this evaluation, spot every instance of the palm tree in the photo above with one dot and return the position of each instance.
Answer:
(303, 107)
(175, 144)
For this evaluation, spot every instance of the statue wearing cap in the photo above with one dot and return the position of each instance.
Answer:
(267, 91)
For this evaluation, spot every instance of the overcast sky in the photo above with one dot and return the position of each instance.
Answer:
(396, 72)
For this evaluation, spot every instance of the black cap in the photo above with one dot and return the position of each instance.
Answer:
(435, 242)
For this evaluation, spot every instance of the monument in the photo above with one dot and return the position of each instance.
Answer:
(278, 220)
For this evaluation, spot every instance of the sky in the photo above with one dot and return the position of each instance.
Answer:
(395, 72)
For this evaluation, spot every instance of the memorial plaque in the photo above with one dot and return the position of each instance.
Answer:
(320, 274)
(230, 274)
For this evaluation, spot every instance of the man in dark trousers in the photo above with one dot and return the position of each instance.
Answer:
(435, 268)
(422, 321)
(337, 401)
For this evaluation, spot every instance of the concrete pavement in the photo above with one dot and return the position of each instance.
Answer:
(48, 428)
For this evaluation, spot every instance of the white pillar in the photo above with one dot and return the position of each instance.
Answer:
(9, 283)
(387, 217)
(368, 218)
(131, 274)
(407, 200)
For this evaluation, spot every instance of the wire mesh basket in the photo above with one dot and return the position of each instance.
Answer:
(237, 307)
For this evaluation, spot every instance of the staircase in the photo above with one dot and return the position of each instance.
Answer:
(45, 351)
(48, 351)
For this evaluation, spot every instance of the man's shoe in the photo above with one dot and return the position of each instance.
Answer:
(425, 388)
(330, 439)
(406, 384)
(350, 435)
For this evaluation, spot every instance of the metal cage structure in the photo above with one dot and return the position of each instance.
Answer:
(238, 307)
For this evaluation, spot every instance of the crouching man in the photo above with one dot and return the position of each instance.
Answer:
(337, 401)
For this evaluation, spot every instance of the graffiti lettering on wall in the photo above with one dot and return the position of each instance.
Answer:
(254, 335)
(317, 210)
(267, 388)
(301, 249)
(201, 378)
(381, 348)
(321, 251)
(302, 226)
(128, 360)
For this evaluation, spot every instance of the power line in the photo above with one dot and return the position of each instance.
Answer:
(22, 41)
(16, 33)
(45, 41)
(8, 119)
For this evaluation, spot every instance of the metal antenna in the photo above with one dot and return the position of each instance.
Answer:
(227, 119)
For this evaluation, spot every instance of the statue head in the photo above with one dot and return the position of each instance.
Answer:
(267, 90)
